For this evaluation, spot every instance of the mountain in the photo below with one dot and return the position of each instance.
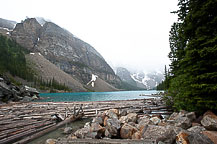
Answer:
(148, 80)
(140, 79)
(125, 76)
(48, 71)
(7, 24)
(97, 84)
(67, 52)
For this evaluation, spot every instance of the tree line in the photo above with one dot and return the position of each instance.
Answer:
(192, 77)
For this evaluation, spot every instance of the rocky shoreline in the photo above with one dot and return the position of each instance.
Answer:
(129, 121)
(117, 126)
(12, 93)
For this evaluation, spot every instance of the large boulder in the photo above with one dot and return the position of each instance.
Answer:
(96, 127)
(212, 135)
(182, 138)
(112, 113)
(192, 138)
(143, 122)
(131, 117)
(123, 119)
(82, 133)
(137, 135)
(196, 129)
(122, 112)
(98, 120)
(113, 126)
(127, 131)
(183, 122)
(198, 138)
(155, 120)
(191, 116)
(209, 121)
(155, 133)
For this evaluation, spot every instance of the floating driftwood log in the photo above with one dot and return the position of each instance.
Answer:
(41, 133)
(34, 124)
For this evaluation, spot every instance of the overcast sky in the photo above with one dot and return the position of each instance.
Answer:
(129, 33)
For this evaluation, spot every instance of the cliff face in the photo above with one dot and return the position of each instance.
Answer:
(125, 76)
(48, 71)
(63, 49)
(27, 33)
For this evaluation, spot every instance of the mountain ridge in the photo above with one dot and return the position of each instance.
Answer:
(142, 80)
(70, 54)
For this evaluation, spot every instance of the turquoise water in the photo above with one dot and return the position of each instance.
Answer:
(95, 96)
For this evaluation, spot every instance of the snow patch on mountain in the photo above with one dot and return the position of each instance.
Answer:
(94, 77)
(149, 79)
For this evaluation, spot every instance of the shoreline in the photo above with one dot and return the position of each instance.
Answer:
(25, 118)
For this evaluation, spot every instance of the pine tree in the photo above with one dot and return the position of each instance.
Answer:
(193, 55)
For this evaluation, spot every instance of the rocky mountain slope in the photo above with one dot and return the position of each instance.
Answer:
(63, 49)
(7, 24)
(48, 71)
(97, 84)
(140, 79)
(67, 52)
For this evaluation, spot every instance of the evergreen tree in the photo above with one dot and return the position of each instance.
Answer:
(193, 43)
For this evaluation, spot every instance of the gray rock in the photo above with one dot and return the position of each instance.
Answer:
(67, 130)
(191, 116)
(209, 121)
(112, 113)
(95, 127)
(98, 120)
(183, 122)
(27, 99)
(83, 133)
(87, 125)
(132, 117)
(212, 135)
(196, 129)
(127, 131)
(107, 134)
(30, 90)
(198, 138)
(164, 134)
(144, 117)
(173, 116)
(155, 120)
(123, 119)
(113, 125)
(123, 112)
(34, 97)
(143, 123)
(50, 141)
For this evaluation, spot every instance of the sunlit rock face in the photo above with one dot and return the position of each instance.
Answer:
(69, 53)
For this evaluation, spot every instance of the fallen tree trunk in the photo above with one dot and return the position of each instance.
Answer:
(41, 133)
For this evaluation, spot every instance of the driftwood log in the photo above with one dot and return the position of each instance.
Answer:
(24, 122)
(41, 133)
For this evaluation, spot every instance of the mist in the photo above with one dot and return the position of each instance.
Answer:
(128, 33)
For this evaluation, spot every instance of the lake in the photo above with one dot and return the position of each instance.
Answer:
(96, 96)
